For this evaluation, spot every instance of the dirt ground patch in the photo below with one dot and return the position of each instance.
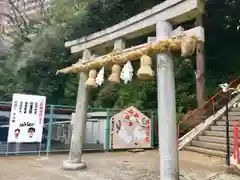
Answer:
(116, 166)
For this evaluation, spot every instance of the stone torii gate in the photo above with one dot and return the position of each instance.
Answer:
(160, 18)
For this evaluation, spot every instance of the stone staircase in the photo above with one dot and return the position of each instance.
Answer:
(212, 141)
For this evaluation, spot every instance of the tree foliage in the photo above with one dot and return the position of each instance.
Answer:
(30, 65)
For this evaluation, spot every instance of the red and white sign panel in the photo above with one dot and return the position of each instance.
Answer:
(130, 129)
(27, 118)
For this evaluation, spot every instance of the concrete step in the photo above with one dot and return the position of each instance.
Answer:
(206, 151)
(221, 128)
(217, 133)
(213, 139)
(234, 113)
(213, 146)
(235, 109)
(231, 118)
(223, 123)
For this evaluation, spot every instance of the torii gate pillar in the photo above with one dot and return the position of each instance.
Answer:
(169, 169)
(79, 123)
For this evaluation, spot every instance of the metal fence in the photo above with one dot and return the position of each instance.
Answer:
(57, 130)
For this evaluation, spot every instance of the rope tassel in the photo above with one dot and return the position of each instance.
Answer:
(188, 46)
(145, 71)
(91, 81)
(115, 76)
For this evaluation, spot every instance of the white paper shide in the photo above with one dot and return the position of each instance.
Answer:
(127, 72)
(100, 77)
(27, 118)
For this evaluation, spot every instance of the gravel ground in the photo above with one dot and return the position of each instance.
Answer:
(112, 166)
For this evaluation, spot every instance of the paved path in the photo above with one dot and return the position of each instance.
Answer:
(112, 166)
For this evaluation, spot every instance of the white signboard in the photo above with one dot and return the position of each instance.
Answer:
(27, 118)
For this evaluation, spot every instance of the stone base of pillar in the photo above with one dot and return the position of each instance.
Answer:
(73, 166)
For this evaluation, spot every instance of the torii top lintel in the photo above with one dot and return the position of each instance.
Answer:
(174, 11)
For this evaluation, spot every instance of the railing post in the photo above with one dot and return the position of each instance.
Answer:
(49, 137)
(213, 105)
(227, 133)
(107, 130)
(235, 148)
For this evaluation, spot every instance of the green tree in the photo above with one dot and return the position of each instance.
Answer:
(31, 65)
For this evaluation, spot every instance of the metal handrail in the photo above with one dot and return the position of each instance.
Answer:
(194, 112)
